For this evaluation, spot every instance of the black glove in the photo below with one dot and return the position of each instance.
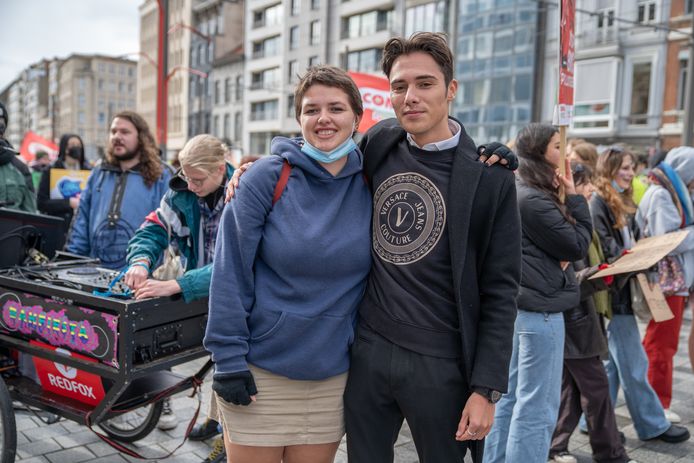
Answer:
(236, 388)
(501, 150)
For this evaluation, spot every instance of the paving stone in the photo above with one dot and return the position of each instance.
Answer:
(75, 455)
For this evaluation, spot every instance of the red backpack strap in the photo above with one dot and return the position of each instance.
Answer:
(282, 182)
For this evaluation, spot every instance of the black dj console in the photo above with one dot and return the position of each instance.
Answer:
(79, 307)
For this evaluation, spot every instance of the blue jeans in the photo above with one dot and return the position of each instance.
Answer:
(525, 418)
(628, 367)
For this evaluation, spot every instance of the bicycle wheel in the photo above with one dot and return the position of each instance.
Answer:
(8, 428)
(134, 425)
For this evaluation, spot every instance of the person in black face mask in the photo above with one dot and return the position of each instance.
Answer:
(71, 157)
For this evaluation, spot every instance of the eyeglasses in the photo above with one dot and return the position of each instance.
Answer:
(191, 181)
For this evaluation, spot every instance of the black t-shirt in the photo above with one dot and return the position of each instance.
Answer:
(409, 298)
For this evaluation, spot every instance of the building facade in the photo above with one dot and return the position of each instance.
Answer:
(179, 41)
(496, 65)
(91, 90)
(619, 83)
(677, 60)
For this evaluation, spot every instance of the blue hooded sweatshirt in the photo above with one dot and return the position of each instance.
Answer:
(287, 279)
(94, 234)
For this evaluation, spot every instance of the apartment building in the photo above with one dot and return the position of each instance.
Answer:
(91, 90)
(677, 60)
(216, 56)
(179, 40)
(620, 55)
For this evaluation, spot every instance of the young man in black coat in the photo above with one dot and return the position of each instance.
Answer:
(436, 324)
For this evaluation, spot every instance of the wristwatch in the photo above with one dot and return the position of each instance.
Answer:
(491, 395)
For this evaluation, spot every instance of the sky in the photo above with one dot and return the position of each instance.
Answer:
(37, 29)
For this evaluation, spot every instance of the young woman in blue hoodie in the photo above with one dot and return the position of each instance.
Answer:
(288, 275)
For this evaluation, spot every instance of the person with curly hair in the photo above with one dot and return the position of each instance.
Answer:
(120, 192)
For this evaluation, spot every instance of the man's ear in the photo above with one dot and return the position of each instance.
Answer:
(452, 90)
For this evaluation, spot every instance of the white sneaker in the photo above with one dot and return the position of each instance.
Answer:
(168, 419)
(672, 417)
(564, 457)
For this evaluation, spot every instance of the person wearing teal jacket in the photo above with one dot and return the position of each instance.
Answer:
(187, 218)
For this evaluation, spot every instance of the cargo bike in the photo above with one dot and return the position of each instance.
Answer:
(74, 344)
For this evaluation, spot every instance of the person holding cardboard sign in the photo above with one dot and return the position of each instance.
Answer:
(612, 210)
(666, 207)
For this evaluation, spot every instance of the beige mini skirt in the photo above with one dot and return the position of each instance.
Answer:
(286, 412)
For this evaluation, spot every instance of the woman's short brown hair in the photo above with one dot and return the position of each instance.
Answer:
(330, 76)
(432, 43)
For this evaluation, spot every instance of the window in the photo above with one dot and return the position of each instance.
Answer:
(121, 87)
(201, 53)
(314, 39)
(215, 128)
(270, 16)
(81, 83)
(293, 37)
(238, 88)
(80, 118)
(364, 60)
(130, 88)
(646, 11)
(313, 61)
(682, 84)
(264, 110)
(290, 106)
(315, 4)
(131, 72)
(267, 47)
(237, 125)
(292, 71)
(210, 52)
(217, 91)
(102, 118)
(81, 101)
(295, 7)
(267, 79)
(227, 90)
(227, 122)
(427, 17)
(688, 6)
(100, 84)
(364, 24)
(640, 92)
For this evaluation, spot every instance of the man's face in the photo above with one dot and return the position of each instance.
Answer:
(420, 97)
(123, 139)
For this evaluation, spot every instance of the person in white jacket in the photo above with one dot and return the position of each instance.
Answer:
(667, 207)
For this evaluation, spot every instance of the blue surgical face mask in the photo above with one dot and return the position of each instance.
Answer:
(321, 156)
(617, 187)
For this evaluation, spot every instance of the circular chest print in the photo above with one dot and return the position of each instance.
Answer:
(409, 216)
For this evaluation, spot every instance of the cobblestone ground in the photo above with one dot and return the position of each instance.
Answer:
(68, 442)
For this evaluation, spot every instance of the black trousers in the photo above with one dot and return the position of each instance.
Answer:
(388, 384)
(585, 389)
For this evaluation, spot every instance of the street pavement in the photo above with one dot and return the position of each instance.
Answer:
(69, 442)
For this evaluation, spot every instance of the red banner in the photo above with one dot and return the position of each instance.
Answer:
(375, 96)
(565, 105)
(34, 143)
(68, 381)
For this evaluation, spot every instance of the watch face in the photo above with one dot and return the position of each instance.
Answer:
(494, 396)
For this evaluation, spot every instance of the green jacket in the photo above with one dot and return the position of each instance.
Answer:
(179, 212)
(13, 189)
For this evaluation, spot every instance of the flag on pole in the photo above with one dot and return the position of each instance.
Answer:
(565, 102)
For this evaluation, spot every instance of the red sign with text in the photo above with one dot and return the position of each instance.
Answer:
(375, 96)
(567, 51)
(68, 381)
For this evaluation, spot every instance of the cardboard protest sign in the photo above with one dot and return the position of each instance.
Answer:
(645, 254)
(66, 184)
(654, 299)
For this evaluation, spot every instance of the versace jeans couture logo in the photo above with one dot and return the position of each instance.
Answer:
(409, 216)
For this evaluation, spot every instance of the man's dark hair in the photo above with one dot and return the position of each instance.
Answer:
(432, 43)
(330, 76)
